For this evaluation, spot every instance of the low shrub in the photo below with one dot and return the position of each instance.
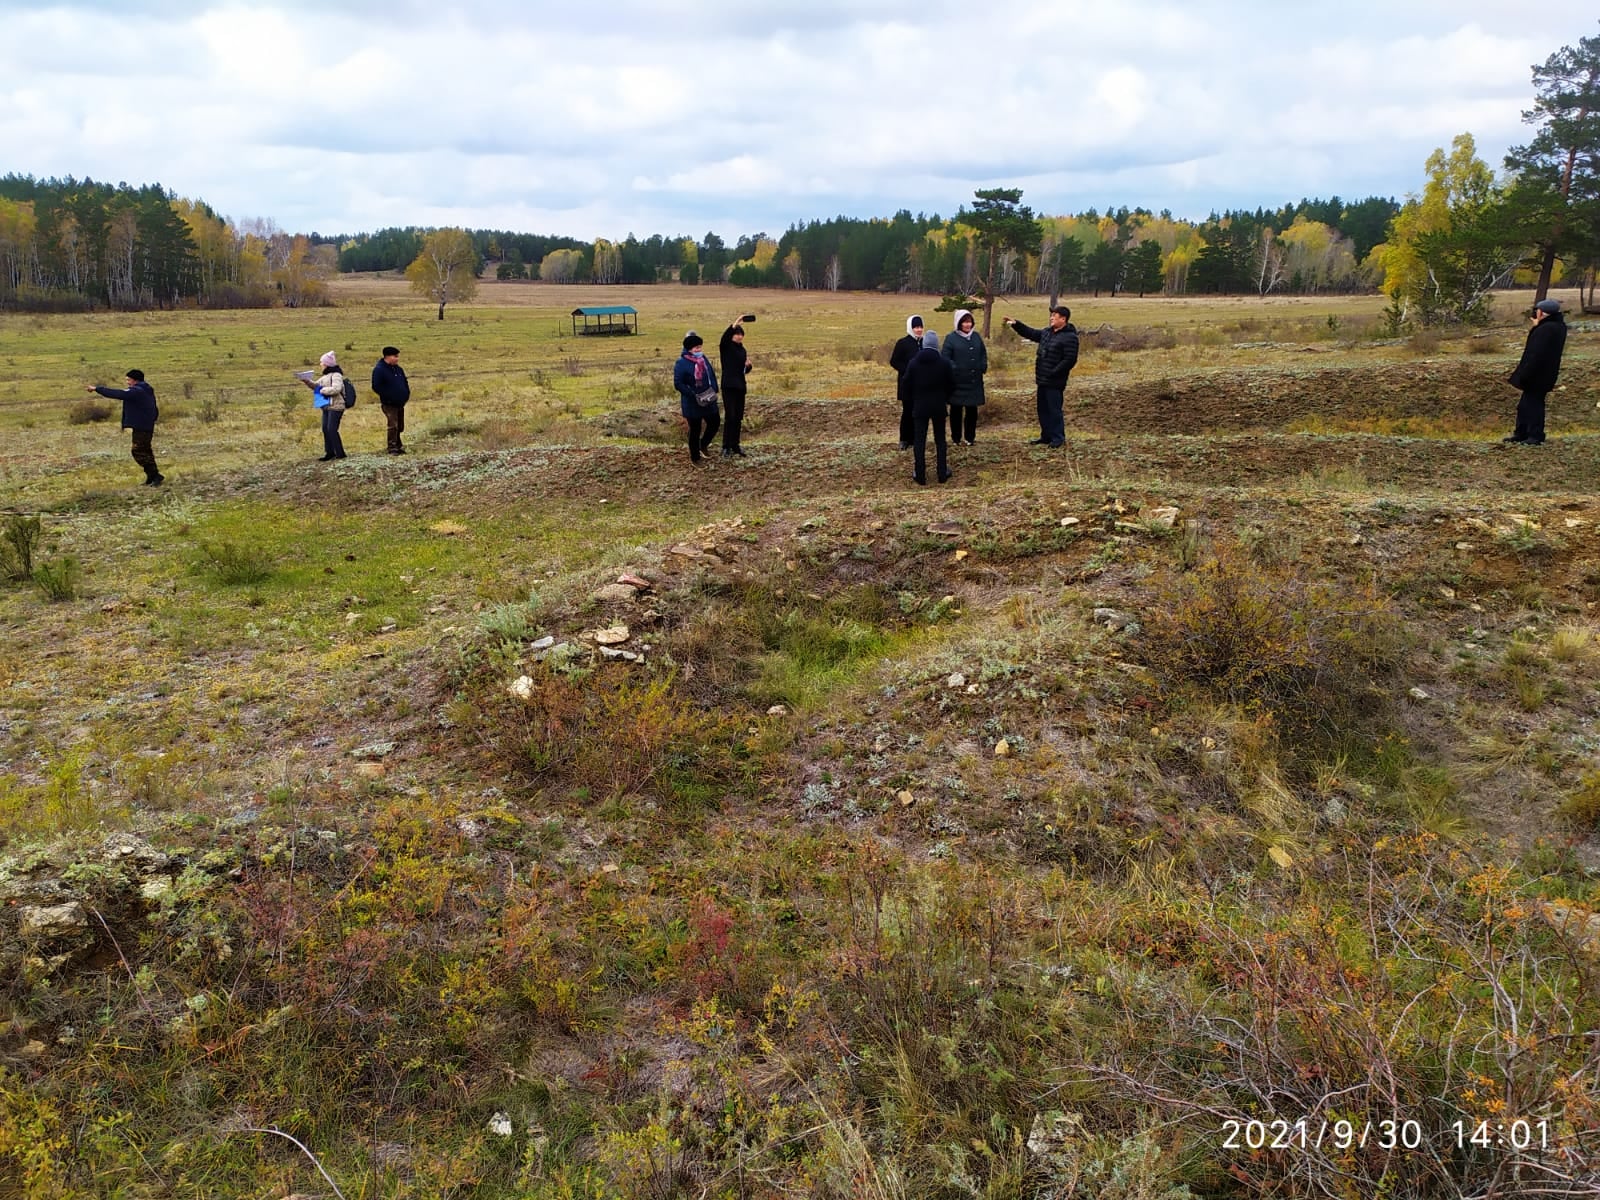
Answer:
(89, 412)
(58, 578)
(1266, 637)
(610, 736)
(19, 542)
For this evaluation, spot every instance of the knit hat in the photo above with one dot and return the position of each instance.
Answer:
(930, 340)
(692, 339)
(330, 359)
(1549, 306)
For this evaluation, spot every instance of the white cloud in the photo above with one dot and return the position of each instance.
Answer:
(753, 115)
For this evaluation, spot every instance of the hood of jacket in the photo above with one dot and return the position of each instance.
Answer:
(961, 315)
(914, 320)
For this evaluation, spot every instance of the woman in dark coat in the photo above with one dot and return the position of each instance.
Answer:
(904, 351)
(697, 390)
(969, 360)
(1536, 372)
(929, 382)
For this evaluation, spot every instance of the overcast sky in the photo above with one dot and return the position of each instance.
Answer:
(603, 118)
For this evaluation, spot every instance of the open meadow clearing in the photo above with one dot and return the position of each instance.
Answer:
(1032, 835)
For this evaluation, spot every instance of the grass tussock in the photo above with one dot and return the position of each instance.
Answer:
(231, 563)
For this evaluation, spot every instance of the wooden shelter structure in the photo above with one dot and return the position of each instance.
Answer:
(605, 320)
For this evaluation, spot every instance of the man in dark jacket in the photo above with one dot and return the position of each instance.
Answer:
(1058, 354)
(929, 380)
(735, 366)
(393, 390)
(139, 414)
(904, 351)
(1536, 373)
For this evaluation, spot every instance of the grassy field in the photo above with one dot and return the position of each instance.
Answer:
(1225, 778)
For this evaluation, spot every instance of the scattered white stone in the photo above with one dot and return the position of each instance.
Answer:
(958, 680)
(155, 888)
(905, 797)
(1417, 693)
(373, 750)
(543, 643)
(1356, 539)
(1164, 517)
(613, 592)
(777, 710)
(1002, 749)
(522, 687)
(624, 655)
(1448, 593)
(1070, 521)
(614, 636)
(1113, 618)
(1465, 547)
(52, 920)
(500, 1125)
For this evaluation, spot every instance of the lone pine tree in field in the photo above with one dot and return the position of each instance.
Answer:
(1003, 226)
(446, 270)
(1558, 184)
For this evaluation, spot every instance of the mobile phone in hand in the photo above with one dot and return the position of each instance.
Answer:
(747, 319)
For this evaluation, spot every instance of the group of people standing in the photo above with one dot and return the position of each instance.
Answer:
(699, 390)
(933, 381)
(937, 380)
(331, 397)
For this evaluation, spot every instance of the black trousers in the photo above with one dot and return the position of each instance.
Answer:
(963, 422)
(920, 421)
(701, 431)
(1052, 424)
(143, 454)
(905, 418)
(332, 443)
(1530, 417)
(394, 416)
(733, 401)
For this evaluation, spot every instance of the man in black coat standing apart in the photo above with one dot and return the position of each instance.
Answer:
(393, 390)
(139, 414)
(904, 351)
(1058, 354)
(1536, 373)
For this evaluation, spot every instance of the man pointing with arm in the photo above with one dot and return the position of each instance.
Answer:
(1057, 355)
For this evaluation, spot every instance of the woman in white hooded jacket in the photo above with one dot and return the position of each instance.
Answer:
(969, 360)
